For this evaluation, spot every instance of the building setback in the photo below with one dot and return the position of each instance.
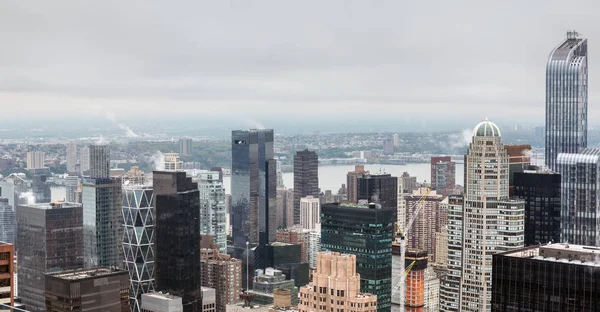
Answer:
(306, 178)
(177, 237)
(340, 224)
(556, 277)
(87, 290)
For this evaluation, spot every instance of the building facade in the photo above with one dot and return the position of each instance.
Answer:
(72, 159)
(450, 283)
(429, 221)
(378, 188)
(212, 208)
(138, 241)
(306, 178)
(185, 147)
(86, 290)
(310, 212)
(51, 240)
(519, 159)
(352, 184)
(554, 277)
(99, 161)
(269, 280)
(340, 224)
(224, 274)
(8, 222)
(540, 189)
(159, 302)
(443, 174)
(566, 99)
(7, 276)
(35, 160)
(415, 280)
(84, 159)
(177, 264)
(336, 286)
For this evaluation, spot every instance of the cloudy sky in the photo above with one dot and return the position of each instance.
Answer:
(286, 59)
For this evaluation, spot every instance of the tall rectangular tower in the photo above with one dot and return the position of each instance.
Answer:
(212, 208)
(443, 174)
(566, 98)
(306, 178)
(378, 188)
(185, 147)
(99, 161)
(72, 157)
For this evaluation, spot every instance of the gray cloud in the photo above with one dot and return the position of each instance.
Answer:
(455, 59)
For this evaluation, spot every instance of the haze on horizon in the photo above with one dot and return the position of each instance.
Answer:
(272, 60)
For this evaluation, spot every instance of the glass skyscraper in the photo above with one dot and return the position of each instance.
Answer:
(306, 178)
(566, 98)
(8, 222)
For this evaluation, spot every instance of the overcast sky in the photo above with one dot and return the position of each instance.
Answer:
(286, 59)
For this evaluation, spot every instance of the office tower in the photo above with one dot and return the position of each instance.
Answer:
(35, 160)
(185, 147)
(407, 183)
(84, 159)
(310, 212)
(566, 99)
(415, 280)
(491, 223)
(579, 197)
(8, 222)
(388, 146)
(540, 189)
(378, 188)
(72, 156)
(429, 221)
(556, 277)
(450, 283)
(339, 225)
(160, 302)
(518, 160)
(306, 178)
(99, 161)
(396, 140)
(50, 238)
(102, 201)
(212, 208)
(336, 286)
(443, 174)
(253, 191)
(351, 177)
(138, 241)
(267, 281)
(223, 273)
(41, 190)
(208, 300)
(172, 162)
(7, 277)
(88, 290)
(177, 237)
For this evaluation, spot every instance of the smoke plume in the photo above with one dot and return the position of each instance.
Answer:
(29, 196)
(158, 161)
(128, 132)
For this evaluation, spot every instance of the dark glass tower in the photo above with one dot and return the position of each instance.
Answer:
(365, 231)
(566, 98)
(177, 238)
(381, 188)
(541, 192)
(443, 174)
(306, 178)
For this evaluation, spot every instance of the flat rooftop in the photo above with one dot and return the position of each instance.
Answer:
(560, 252)
(84, 274)
(162, 296)
(53, 205)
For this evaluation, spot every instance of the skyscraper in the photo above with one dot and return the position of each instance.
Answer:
(429, 221)
(185, 147)
(580, 190)
(310, 212)
(72, 157)
(450, 283)
(518, 160)
(306, 178)
(177, 237)
(223, 273)
(491, 222)
(8, 222)
(359, 170)
(50, 237)
(566, 98)
(365, 231)
(172, 162)
(84, 159)
(212, 208)
(35, 160)
(99, 161)
(138, 241)
(443, 174)
(7, 277)
(378, 188)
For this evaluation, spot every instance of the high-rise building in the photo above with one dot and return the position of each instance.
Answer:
(378, 188)
(13, 186)
(441, 247)
(306, 178)
(102, 201)
(566, 99)
(99, 161)
(351, 177)
(396, 140)
(8, 222)
(336, 286)
(212, 208)
(160, 302)
(50, 236)
(138, 241)
(314, 247)
(519, 159)
(7, 276)
(172, 162)
(432, 291)
(253, 191)
(491, 222)
(35, 160)
(443, 174)
(388, 146)
(41, 189)
(267, 281)
(71, 185)
(556, 277)
(281, 213)
(185, 147)
(580, 190)
(87, 290)
(72, 157)
(177, 237)
(407, 183)
(339, 225)
(415, 280)
(84, 159)
(429, 221)
(223, 273)
(296, 235)
(450, 283)
(310, 212)
(540, 189)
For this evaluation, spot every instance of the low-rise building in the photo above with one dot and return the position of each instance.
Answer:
(160, 302)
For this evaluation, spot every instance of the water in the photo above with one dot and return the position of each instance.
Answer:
(331, 177)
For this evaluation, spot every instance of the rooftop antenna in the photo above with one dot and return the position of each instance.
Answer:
(572, 34)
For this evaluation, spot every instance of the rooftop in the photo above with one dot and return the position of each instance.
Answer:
(560, 252)
(53, 205)
(84, 274)
(486, 128)
(161, 295)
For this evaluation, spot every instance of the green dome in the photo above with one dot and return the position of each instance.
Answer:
(486, 128)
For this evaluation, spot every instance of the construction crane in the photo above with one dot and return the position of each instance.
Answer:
(401, 238)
